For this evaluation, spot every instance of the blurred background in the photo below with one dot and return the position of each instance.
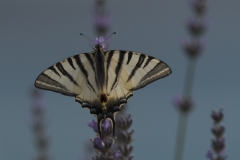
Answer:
(36, 34)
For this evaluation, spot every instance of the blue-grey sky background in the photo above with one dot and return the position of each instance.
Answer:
(36, 34)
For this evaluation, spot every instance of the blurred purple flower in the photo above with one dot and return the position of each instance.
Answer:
(101, 19)
(108, 142)
(209, 154)
(126, 151)
(37, 101)
(198, 6)
(101, 22)
(183, 104)
(222, 155)
(196, 27)
(98, 144)
(103, 145)
(38, 125)
(124, 137)
(193, 48)
(218, 131)
(93, 125)
(117, 154)
(124, 123)
(217, 116)
(218, 145)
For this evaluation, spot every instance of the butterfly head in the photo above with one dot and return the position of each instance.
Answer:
(99, 43)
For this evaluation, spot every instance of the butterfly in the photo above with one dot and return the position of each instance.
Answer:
(102, 81)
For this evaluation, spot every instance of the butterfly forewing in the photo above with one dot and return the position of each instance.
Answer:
(73, 76)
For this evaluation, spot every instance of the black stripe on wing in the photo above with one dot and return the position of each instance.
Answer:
(161, 70)
(54, 70)
(118, 67)
(91, 61)
(129, 56)
(109, 58)
(47, 83)
(65, 73)
(138, 65)
(148, 60)
(71, 62)
(84, 71)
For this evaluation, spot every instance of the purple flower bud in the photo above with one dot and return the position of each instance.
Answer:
(209, 154)
(125, 137)
(218, 145)
(106, 128)
(106, 124)
(103, 145)
(218, 131)
(222, 155)
(38, 102)
(196, 27)
(124, 122)
(126, 150)
(118, 155)
(98, 144)
(42, 141)
(183, 104)
(101, 22)
(193, 49)
(217, 116)
(108, 142)
(199, 7)
(93, 125)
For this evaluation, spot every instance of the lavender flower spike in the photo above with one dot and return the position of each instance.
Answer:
(218, 144)
(38, 125)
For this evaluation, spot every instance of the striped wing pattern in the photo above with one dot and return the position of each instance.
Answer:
(137, 69)
(129, 71)
(124, 72)
(73, 76)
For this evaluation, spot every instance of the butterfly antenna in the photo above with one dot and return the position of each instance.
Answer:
(86, 37)
(110, 35)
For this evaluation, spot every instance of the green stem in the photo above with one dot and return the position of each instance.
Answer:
(188, 85)
(181, 134)
(182, 123)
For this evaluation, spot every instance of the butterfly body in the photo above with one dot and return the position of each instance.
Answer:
(102, 80)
